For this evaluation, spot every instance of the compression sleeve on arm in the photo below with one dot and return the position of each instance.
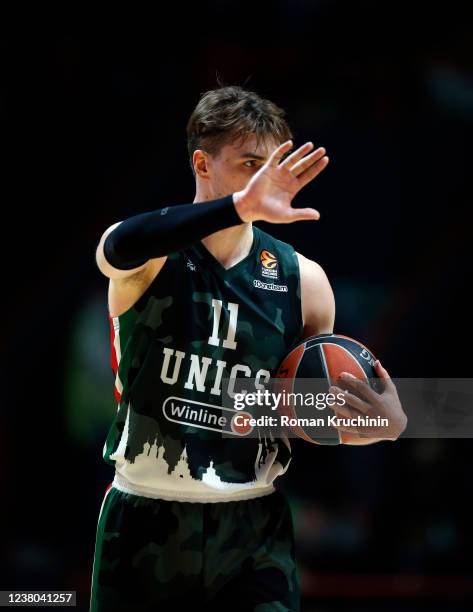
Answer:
(159, 232)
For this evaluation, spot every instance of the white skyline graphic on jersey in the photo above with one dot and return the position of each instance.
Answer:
(150, 469)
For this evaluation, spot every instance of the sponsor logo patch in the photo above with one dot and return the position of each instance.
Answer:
(205, 416)
(269, 286)
(269, 264)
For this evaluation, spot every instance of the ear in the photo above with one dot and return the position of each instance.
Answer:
(201, 162)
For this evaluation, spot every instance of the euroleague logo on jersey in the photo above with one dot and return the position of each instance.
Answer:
(269, 264)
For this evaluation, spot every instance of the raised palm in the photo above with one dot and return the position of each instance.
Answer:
(270, 191)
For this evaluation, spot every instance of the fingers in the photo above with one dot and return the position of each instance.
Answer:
(291, 159)
(279, 153)
(313, 171)
(304, 162)
(298, 170)
(350, 399)
(359, 387)
(383, 374)
(345, 412)
(302, 214)
(304, 168)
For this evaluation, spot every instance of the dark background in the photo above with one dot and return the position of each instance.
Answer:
(93, 130)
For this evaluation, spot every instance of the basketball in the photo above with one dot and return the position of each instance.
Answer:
(323, 358)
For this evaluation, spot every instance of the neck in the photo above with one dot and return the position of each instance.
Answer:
(230, 245)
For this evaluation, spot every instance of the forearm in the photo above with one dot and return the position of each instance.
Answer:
(160, 232)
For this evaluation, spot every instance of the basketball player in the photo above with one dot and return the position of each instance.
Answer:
(197, 294)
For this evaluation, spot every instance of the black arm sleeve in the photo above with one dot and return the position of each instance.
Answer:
(162, 231)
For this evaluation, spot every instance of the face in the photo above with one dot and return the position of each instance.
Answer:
(233, 166)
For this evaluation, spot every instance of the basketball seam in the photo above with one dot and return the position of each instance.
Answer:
(343, 348)
(300, 359)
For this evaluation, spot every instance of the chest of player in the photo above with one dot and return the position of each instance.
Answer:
(208, 326)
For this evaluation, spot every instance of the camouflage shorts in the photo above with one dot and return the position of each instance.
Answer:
(152, 554)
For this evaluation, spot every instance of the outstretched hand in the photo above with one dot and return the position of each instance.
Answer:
(269, 193)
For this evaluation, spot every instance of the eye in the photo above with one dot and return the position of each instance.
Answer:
(252, 163)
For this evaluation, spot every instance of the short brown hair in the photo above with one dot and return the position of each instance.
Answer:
(225, 114)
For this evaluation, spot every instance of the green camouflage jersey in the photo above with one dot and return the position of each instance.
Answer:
(195, 327)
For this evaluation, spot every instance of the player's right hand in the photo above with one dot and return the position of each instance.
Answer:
(269, 193)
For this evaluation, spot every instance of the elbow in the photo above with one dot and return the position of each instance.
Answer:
(121, 252)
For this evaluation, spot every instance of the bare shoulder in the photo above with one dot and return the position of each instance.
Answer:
(311, 271)
(126, 291)
(317, 299)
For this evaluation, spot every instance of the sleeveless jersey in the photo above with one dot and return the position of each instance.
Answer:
(195, 326)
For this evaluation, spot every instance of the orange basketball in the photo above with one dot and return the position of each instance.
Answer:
(324, 357)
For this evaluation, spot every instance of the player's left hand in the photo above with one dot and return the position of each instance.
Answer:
(361, 399)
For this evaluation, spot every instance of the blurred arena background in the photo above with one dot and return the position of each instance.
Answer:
(93, 123)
